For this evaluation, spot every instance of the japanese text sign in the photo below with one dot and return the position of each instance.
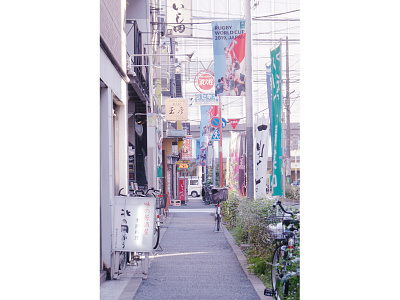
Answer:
(206, 99)
(182, 189)
(133, 224)
(276, 129)
(179, 15)
(187, 148)
(176, 109)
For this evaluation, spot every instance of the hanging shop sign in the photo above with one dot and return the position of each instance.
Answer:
(179, 15)
(206, 99)
(183, 166)
(133, 224)
(176, 109)
(187, 148)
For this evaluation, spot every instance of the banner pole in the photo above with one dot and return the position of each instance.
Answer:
(249, 105)
(283, 170)
(221, 160)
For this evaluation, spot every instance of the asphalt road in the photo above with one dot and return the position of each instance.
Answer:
(195, 262)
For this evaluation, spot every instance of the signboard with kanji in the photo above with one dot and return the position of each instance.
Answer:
(179, 15)
(176, 109)
(133, 224)
(187, 148)
(182, 190)
(204, 81)
(206, 99)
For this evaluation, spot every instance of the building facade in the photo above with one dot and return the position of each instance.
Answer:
(113, 123)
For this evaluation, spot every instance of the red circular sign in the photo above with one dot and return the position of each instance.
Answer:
(204, 81)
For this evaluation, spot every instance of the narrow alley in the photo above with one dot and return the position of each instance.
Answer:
(193, 261)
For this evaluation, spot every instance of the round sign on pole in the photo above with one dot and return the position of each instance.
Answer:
(204, 81)
(215, 122)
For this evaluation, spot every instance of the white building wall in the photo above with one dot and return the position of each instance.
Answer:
(114, 92)
(106, 177)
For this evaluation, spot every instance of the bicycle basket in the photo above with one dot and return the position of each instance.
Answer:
(219, 195)
(275, 227)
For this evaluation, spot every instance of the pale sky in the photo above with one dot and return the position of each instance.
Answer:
(265, 36)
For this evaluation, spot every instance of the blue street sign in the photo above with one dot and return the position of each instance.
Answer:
(215, 122)
(216, 136)
(223, 123)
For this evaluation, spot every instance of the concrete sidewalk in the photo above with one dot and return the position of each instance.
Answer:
(127, 283)
(195, 263)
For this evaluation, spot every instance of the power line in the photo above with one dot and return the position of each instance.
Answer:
(278, 14)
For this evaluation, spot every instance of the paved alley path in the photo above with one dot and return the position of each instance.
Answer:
(195, 262)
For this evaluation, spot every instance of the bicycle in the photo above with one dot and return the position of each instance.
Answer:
(218, 216)
(206, 193)
(160, 203)
(218, 196)
(285, 272)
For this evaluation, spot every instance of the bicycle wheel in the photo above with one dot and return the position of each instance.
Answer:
(156, 237)
(218, 222)
(277, 272)
(122, 260)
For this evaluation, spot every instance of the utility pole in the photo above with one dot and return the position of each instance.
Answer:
(172, 69)
(249, 105)
(288, 160)
(221, 159)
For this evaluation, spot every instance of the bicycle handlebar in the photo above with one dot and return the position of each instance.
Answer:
(144, 193)
(119, 192)
(279, 203)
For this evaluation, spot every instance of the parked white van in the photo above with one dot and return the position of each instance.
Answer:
(194, 186)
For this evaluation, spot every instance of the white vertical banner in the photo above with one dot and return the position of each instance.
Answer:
(179, 18)
(261, 157)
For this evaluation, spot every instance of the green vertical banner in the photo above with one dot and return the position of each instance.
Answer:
(276, 129)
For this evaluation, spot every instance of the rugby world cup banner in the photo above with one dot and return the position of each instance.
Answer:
(229, 41)
(276, 180)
